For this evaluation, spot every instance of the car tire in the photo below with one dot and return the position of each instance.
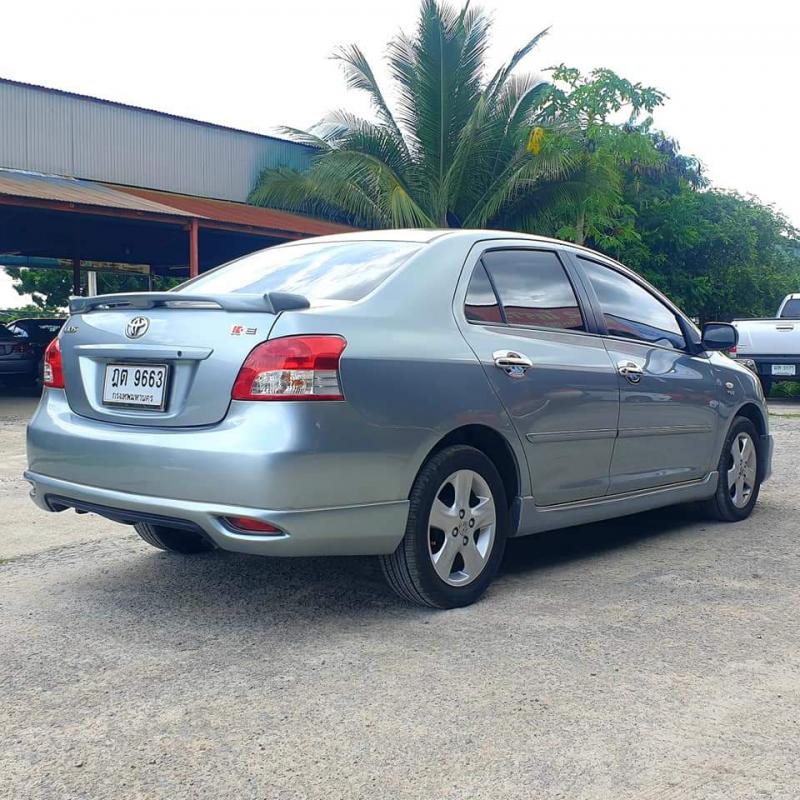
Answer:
(724, 505)
(176, 540)
(451, 568)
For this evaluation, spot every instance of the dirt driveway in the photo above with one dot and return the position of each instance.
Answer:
(655, 657)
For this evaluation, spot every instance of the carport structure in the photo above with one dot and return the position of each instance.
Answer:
(90, 184)
(79, 223)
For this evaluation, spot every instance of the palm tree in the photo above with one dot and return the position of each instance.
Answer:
(456, 151)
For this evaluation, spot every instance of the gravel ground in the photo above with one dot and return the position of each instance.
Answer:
(653, 657)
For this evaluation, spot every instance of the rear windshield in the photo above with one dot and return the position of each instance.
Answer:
(325, 271)
(791, 310)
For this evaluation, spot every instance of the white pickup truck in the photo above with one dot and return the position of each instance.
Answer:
(771, 347)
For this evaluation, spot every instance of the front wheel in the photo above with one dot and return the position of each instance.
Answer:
(456, 531)
(739, 474)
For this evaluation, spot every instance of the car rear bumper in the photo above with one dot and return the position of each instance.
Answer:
(762, 364)
(18, 367)
(366, 529)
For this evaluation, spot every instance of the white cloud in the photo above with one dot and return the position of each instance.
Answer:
(8, 296)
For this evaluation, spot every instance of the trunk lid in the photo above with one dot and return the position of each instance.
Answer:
(202, 342)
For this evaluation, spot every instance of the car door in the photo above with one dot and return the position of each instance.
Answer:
(668, 395)
(520, 312)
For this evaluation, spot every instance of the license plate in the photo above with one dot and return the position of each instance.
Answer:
(783, 369)
(136, 385)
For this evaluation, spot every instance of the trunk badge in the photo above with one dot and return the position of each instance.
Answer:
(137, 327)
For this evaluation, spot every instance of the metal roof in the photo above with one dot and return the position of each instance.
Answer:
(91, 196)
(132, 107)
(240, 213)
(55, 188)
(51, 132)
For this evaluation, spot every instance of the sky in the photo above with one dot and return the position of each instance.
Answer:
(730, 68)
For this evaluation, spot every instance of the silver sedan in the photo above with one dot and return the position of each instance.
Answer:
(421, 396)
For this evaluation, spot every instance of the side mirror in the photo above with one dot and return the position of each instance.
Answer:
(719, 336)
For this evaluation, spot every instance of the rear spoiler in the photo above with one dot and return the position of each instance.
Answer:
(270, 303)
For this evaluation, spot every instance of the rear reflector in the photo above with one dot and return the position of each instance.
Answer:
(292, 368)
(53, 371)
(250, 525)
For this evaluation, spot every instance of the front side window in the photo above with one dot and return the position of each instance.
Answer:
(534, 289)
(324, 271)
(630, 311)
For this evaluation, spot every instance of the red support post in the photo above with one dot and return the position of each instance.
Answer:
(194, 251)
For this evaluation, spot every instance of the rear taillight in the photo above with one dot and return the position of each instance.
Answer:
(732, 350)
(53, 371)
(22, 347)
(292, 368)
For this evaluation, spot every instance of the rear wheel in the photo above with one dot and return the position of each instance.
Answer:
(739, 470)
(176, 540)
(456, 531)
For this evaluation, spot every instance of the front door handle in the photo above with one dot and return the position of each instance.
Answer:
(513, 363)
(628, 369)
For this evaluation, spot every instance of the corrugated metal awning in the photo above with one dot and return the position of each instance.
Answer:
(80, 194)
(32, 185)
(225, 211)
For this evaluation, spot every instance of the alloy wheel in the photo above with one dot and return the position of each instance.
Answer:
(742, 469)
(461, 527)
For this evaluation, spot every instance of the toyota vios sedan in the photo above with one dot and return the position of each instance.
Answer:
(421, 396)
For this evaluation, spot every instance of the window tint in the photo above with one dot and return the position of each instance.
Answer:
(481, 304)
(791, 310)
(631, 311)
(330, 271)
(534, 289)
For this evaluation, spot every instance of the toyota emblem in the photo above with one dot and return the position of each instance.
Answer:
(137, 327)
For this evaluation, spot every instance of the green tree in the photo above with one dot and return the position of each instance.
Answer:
(598, 120)
(717, 254)
(52, 288)
(453, 152)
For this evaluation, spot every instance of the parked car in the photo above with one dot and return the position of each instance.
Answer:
(771, 347)
(19, 358)
(416, 395)
(22, 346)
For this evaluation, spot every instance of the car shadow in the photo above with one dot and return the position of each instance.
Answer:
(232, 591)
(532, 553)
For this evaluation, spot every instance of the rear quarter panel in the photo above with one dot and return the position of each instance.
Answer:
(408, 376)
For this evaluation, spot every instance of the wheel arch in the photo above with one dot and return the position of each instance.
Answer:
(494, 446)
(752, 412)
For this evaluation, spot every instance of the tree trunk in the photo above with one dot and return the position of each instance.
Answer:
(580, 225)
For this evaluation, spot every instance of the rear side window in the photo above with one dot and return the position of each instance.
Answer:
(630, 311)
(533, 289)
(791, 310)
(326, 271)
(481, 304)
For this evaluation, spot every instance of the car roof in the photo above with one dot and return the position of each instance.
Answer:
(427, 235)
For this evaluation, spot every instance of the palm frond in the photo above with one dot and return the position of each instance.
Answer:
(359, 75)
(502, 74)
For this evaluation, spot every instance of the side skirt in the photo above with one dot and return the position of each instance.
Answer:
(537, 519)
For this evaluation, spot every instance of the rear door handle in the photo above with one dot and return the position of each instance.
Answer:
(628, 369)
(513, 363)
